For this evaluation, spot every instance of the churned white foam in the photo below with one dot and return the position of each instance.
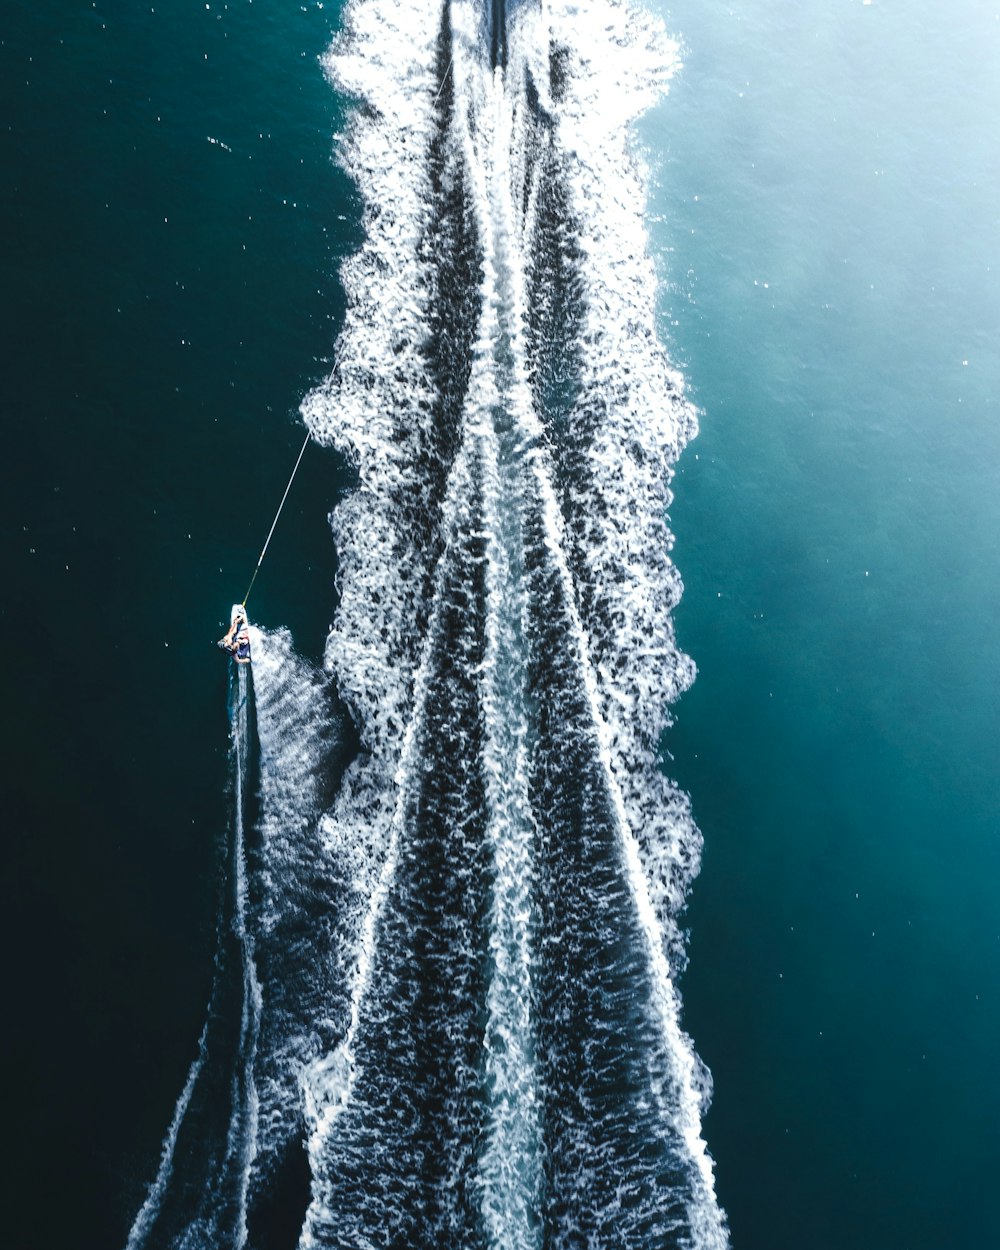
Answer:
(374, 413)
(610, 549)
(299, 889)
(681, 1100)
(511, 1162)
(621, 62)
(329, 1082)
(617, 61)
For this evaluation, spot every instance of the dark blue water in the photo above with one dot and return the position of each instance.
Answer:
(167, 303)
(172, 225)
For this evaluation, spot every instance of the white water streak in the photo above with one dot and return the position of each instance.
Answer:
(510, 1169)
(611, 212)
(241, 1144)
(384, 57)
(146, 1216)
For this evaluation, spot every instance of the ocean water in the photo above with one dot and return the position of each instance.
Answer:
(828, 228)
(822, 219)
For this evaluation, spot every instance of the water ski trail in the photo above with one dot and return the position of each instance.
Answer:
(277, 984)
(199, 1196)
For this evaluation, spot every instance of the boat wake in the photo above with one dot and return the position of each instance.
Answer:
(459, 954)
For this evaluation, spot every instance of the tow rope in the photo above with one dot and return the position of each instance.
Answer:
(276, 515)
(444, 79)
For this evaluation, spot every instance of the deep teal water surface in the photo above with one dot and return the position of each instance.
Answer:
(825, 216)
(828, 190)
(167, 302)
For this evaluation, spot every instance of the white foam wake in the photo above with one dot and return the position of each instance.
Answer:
(604, 534)
(374, 416)
(634, 403)
(633, 406)
(511, 1163)
(632, 674)
(302, 912)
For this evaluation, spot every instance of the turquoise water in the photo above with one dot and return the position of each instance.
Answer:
(825, 216)
(829, 230)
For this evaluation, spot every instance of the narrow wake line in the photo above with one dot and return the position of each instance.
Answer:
(298, 902)
(241, 1143)
(147, 1212)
